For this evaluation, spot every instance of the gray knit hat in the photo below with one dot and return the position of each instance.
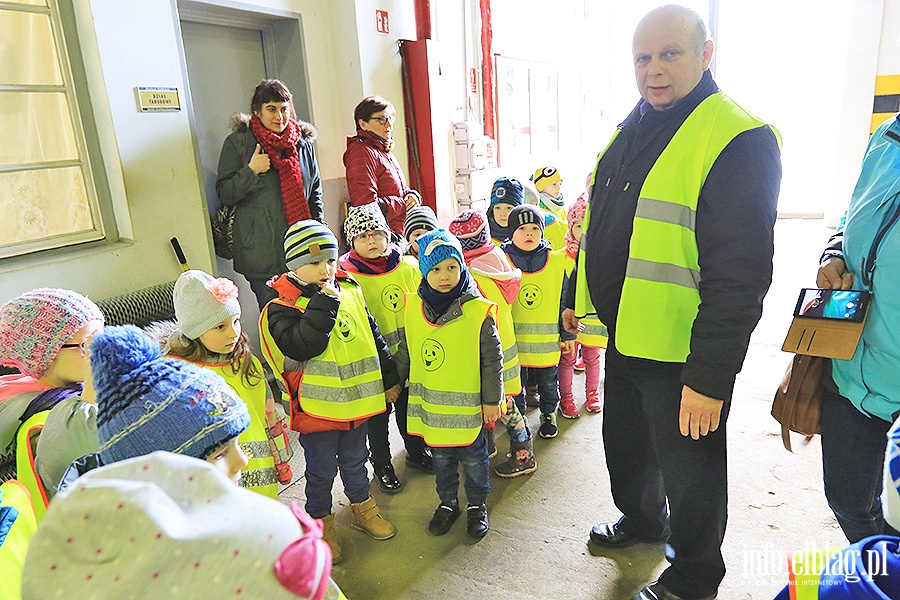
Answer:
(362, 219)
(203, 301)
(307, 242)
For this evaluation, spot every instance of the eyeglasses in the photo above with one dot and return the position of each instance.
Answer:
(371, 235)
(383, 120)
(83, 345)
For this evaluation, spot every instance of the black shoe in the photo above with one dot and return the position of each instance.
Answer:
(420, 460)
(610, 535)
(476, 516)
(386, 478)
(656, 591)
(444, 518)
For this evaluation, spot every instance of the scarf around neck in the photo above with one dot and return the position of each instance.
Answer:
(440, 302)
(371, 266)
(498, 232)
(530, 261)
(282, 151)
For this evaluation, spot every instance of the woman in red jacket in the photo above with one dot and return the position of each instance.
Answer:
(373, 174)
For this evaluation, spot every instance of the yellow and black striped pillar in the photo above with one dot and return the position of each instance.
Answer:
(887, 99)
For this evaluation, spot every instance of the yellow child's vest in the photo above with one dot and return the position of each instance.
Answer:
(660, 295)
(15, 546)
(344, 382)
(445, 373)
(384, 298)
(512, 379)
(555, 233)
(595, 333)
(536, 313)
(25, 470)
(259, 475)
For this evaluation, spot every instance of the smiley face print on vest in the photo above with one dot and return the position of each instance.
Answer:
(432, 354)
(530, 296)
(346, 327)
(392, 297)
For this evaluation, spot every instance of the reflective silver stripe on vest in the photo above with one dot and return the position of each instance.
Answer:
(444, 398)
(512, 372)
(350, 393)
(539, 347)
(535, 329)
(666, 212)
(293, 366)
(591, 329)
(510, 353)
(663, 273)
(362, 366)
(256, 449)
(392, 338)
(254, 478)
(441, 421)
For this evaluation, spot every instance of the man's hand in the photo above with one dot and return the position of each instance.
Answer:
(490, 412)
(834, 275)
(571, 322)
(568, 346)
(412, 201)
(393, 393)
(699, 414)
(259, 162)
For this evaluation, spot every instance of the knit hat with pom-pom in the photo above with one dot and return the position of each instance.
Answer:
(148, 402)
(203, 301)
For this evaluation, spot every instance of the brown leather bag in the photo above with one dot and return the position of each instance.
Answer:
(798, 400)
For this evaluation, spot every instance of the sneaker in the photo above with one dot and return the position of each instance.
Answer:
(532, 398)
(520, 461)
(366, 517)
(579, 364)
(444, 518)
(594, 403)
(492, 447)
(386, 477)
(548, 428)
(567, 407)
(420, 460)
(477, 520)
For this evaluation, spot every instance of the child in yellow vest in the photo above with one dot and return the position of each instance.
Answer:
(385, 278)
(209, 335)
(548, 183)
(419, 221)
(537, 310)
(506, 194)
(335, 370)
(499, 282)
(451, 353)
(554, 224)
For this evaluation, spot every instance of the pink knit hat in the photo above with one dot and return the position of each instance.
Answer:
(36, 324)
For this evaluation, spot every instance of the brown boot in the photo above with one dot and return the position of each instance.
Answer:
(366, 517)
(330, 536)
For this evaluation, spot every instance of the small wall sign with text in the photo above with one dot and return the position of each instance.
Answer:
(381, 21)
(158, 99)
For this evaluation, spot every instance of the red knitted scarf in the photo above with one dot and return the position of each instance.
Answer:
(282, 151)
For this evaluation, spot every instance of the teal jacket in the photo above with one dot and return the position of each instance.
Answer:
(870, 378)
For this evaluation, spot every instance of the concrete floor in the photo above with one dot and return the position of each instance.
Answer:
(537, 547)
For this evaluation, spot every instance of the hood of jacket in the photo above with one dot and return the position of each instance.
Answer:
(496, 267)
(241, 122)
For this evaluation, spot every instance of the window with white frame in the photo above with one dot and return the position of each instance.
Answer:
(47, 194)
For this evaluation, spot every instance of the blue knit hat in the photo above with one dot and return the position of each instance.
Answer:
(508, 191)
(527, 214)
(436, 246)
(307, 242)
(147, 402)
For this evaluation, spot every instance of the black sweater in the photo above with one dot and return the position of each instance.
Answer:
(735, 235)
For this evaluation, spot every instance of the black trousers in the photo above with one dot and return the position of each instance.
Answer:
(652, 466)
(379, 445)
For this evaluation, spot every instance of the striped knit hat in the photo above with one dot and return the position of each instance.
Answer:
(307, 242)
(470, 227)
(147, 402)
(527, 214)
(508, 191)
(35, 325)
(421, 217)
(362, 219)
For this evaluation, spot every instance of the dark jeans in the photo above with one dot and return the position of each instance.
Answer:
(379, 444)
(262, 292)
(548, 386)
(853, 447)
(475, 462)
(326, 452)
(651, 465)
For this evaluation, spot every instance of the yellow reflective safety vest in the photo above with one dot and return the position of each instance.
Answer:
(445, 373)
(555, 232)
(25, 469)
(595, 333)
(13, 549)
(660, 295)
(384, 298)
(512, 378)
(344, 382)
(536, 313)
(259, 475)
